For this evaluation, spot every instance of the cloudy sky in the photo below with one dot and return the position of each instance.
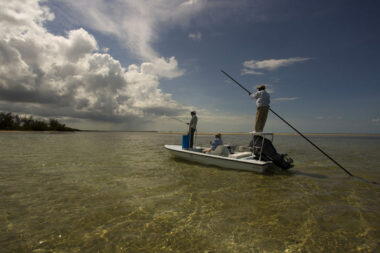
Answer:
(144, 65)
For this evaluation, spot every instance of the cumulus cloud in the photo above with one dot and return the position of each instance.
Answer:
(50, 75)
(250, 72)
(195, 36)
(136, 23)
(251, 66)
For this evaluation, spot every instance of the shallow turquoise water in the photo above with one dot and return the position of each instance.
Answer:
(122, 192)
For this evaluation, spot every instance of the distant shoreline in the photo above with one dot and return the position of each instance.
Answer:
(39, 131)
(14, 122)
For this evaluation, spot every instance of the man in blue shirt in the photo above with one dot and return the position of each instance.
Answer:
(216, 142)
(262, 101)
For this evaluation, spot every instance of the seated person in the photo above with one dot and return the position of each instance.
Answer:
(216, 142)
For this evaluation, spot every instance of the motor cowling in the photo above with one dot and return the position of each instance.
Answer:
(264, 147)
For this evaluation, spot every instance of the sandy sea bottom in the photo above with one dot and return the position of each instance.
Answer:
(122, 192)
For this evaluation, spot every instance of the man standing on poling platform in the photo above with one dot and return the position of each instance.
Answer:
(192, 127)
(262, 102)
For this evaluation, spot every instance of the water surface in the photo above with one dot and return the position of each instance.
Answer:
(122, 192)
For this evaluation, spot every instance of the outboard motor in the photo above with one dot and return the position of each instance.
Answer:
(269, 152)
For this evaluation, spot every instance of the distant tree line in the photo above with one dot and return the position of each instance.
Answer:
(8, 121)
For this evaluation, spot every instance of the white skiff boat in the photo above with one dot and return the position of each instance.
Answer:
(237, 161)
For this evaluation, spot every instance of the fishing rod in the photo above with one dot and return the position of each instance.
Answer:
(323, 152)
(177, 119)
(196, 132)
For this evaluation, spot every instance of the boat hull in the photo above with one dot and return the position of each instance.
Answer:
(246, 164)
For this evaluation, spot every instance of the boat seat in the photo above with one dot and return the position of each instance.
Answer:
(240, 155)
(220, 150)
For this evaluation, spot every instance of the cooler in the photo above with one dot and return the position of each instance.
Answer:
(185, 141)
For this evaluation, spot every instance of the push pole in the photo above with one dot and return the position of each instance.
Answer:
(323, 152)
